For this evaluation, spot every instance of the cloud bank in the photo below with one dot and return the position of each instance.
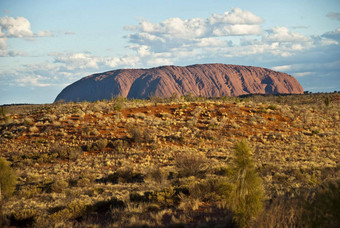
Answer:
(236, 33)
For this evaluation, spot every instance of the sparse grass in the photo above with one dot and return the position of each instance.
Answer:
(171, 162)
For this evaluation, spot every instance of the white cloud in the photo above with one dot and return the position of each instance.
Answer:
(302, 74)
(282, 68)
(38, 75)
(67, 68)
(125, 61)
(73, 61)
(3, 47)
(5, 53)
(44, 34)
(237, 33)
(18, 27)
(175, 32)
(34, 81)
(86, 61)
(282, 34)
(15, 27)
(237, 30)
(236, 16)
(307, 68)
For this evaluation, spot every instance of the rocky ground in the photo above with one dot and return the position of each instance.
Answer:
(159, 162)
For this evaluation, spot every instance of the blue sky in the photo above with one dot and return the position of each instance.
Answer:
(47, 45)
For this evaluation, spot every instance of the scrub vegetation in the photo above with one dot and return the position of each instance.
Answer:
(258, 161)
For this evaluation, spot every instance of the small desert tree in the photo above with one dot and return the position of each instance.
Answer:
(7, 178)
(247, 193)
(7, 182)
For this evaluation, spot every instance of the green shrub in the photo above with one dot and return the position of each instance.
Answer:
(83, 182)
(24, 217)
(189, 97)
(324, 209)
(190, 163)
(136, 133)
(165, 197)
(209, 189)
(281, 212)
(29, 191)
(247, 193)
(104, 207)
(8, 178)
(118, 145)
(2, 111)
(158, 176)
(127, 174)
(154, 99)
(73, 210)
(327, 101)
(118, 103)
(77, 208)
(272, 107)
(59, 186)
(174, 97)
(64, 152)
(117, 106)
(100, 144)
(317, 207)
(139, 135)
(74, 153)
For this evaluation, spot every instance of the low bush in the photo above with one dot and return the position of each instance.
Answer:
(209, 190)
(139, 135)
(128, 175)
(64, 152)
(191, 163)
(318, 207)
(281, 212)
(118, 145)
(136, 133)
(74, 210)
(23, 218)
(59, 186)
(118, 103)
(158, 176)
(83, 182)
(99, 145)
(323, 209)
(2, 111)
(8, 178)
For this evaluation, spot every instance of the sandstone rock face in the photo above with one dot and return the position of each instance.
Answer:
(207, 80)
